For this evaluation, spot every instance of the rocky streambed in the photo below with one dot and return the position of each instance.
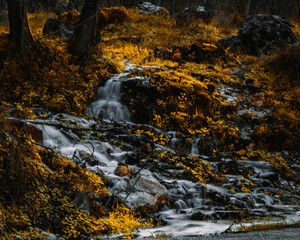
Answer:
(179, 180)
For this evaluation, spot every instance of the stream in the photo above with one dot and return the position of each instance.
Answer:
(190, 208)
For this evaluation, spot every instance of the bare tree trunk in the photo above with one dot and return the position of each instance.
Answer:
(19, 30)
(248, 7)
(83, 40)
(298, 10)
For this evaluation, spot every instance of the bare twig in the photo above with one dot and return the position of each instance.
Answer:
(91, 150)
(293, 190)
(137, 179)
(47, 148)
(228, 229)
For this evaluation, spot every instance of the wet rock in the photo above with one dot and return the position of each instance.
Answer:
(204, 215)
(230, 215)
(55, 26)
(122, 170)
(81, 200)
(217, 196)
(161, 168)
(182, 146)
(90, 204)
(150, 9)
(51, 236)
(205, 145)
(242, 204)
(133, 157)
(296, 171)
(86, 157)
(141, 193)
(259, 182)
(39, 110)
(247, 114)
(261, 35)
(234, 167)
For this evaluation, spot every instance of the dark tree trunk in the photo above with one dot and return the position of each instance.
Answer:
(248, 7)
(19, 30)
(83, 40)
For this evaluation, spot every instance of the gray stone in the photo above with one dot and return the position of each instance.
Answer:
(139, 191)
(149, 9)
(261, 35)
(82, 201)
(51, 236)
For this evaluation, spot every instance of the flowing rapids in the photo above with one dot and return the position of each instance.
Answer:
(188, 202)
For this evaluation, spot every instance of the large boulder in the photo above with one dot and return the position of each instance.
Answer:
(150, 9)
(261, 35)
(141, 193)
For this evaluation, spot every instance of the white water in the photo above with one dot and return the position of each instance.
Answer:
(182, 227)
(190, 197)
(108, 105)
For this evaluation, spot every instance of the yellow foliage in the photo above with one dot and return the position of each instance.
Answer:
(267, 226)
(42, 185)
(69, 18)
(54, 80)
(120, 220)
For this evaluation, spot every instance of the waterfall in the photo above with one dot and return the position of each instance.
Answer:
(107, 105)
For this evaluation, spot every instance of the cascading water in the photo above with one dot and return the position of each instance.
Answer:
(188, 200)
(107, 105)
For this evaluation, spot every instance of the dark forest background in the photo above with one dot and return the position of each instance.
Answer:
(285, 8)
